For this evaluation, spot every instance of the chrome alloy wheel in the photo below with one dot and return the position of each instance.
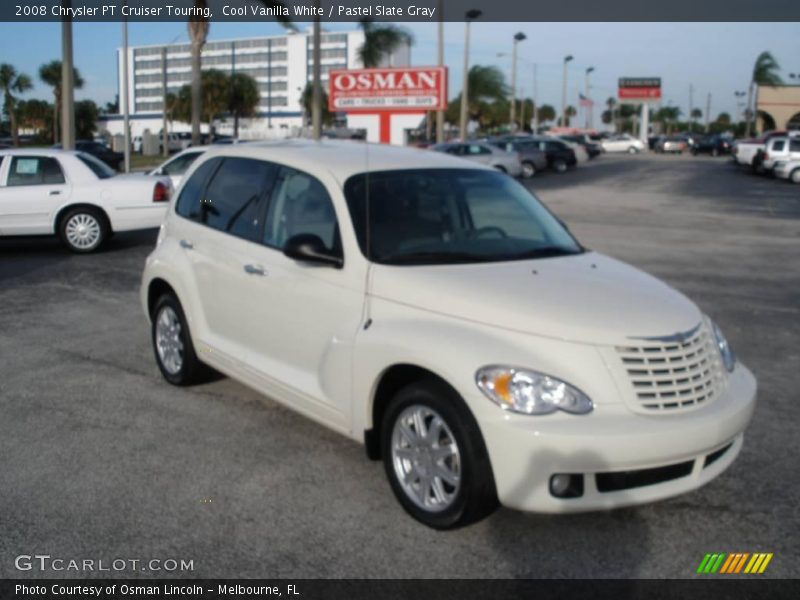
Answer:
(83, 231)
(168, 340)
(426, 458)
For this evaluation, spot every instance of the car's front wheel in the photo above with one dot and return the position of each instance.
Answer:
(83, 230)
(172, 344)
(528, 169)
(633, 150)
(435, 457)
(795, 176)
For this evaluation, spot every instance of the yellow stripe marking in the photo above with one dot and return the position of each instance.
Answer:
(753, 562)
(765, 563)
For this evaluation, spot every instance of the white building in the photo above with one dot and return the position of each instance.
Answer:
(280, 64)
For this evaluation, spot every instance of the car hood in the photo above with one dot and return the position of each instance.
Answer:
(588, 298)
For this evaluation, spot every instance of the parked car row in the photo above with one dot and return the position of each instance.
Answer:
(776, 153)
(518, 155)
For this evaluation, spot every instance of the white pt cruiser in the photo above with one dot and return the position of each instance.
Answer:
(437, 312)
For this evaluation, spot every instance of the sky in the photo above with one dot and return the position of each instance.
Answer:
(713, 58)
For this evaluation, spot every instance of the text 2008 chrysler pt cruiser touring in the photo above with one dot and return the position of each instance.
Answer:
(436, 311)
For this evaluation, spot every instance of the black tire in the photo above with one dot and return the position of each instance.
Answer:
(794, 176)
(695, 152)
(560, 165)
(633, 150)
(192, 370)
(714, 152)
(528, 169)
(95, 229)
(475, 497)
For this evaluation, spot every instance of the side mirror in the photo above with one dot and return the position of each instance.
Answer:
(307, 247)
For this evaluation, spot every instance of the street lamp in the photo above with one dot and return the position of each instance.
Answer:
(470, 16)
(739, 95)
(517, 38)
(440, 56)
(567, 59)
(588, 106)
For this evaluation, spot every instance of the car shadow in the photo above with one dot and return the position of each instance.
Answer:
(593, 544)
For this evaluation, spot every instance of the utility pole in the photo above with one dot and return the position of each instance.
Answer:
(468, 17)
(691, 105)
(512, 117)
(708, 111)
(67, 87)
(316, 105)
(535, 101)
(126, 97)
(440, 52)
(164, 134)
(567, 58)
(588, 106)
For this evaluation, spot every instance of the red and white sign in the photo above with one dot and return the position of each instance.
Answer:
(398, 89)
(640, 88)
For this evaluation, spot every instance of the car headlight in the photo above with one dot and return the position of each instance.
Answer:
(725, 350)
(530, 393)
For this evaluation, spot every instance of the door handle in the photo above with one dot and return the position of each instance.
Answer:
(186, 244)
(254, 270)
(55, 193)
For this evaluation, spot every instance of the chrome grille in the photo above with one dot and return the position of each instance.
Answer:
(670, 375)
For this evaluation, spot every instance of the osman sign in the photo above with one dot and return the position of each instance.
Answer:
(396, 89)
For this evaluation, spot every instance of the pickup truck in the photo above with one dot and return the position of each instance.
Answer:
(750, 152)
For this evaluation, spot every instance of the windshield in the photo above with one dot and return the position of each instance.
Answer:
(446, 216)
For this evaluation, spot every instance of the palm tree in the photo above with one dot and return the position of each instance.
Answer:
(50, 74)
(545, 113)
(244, 98)
(569, 112)
(380, 41)
(611, 103)
(765, 72)
(198, 34)
(12, 82)
(307, 102)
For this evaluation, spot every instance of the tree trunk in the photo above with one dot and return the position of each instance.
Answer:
(12, 118)
(236, 125)
(56, 112)
(197, 91)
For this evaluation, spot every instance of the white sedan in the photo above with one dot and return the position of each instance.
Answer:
(623, 143)
(175, 167)
(77, 197)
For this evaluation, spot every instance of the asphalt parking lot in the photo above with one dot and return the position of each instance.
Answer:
(102, 459)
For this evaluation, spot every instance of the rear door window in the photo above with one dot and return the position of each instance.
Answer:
(180, 164)
(234, 197)
(34, 170)
(794, 146)
(778, 146)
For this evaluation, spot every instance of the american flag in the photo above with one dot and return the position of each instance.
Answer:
(584, 101)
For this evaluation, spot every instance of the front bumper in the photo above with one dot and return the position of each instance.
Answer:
(526, 451)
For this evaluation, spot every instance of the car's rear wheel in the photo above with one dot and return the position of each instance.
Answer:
(795, 176)
(435, 457)
(83, 230)
(172, 344)
(632, 150)
(528, 169)
(559, 165)
(714, 152)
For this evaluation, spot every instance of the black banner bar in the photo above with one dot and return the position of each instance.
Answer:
(739, 587)
(401, 10)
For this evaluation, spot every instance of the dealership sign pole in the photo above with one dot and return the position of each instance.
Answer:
(388, 92)
(641, 90)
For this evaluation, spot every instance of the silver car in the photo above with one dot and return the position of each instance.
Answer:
(486, 154)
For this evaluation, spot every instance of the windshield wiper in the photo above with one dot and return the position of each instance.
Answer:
(544, 252)
(435, 258)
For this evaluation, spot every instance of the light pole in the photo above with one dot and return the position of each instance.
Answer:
(470, 15)
(316, 91)
(535, 101)
(126, 98)
(511, 122)
(589, 104)
(67, 87)
(567, 58)
(440, 52)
